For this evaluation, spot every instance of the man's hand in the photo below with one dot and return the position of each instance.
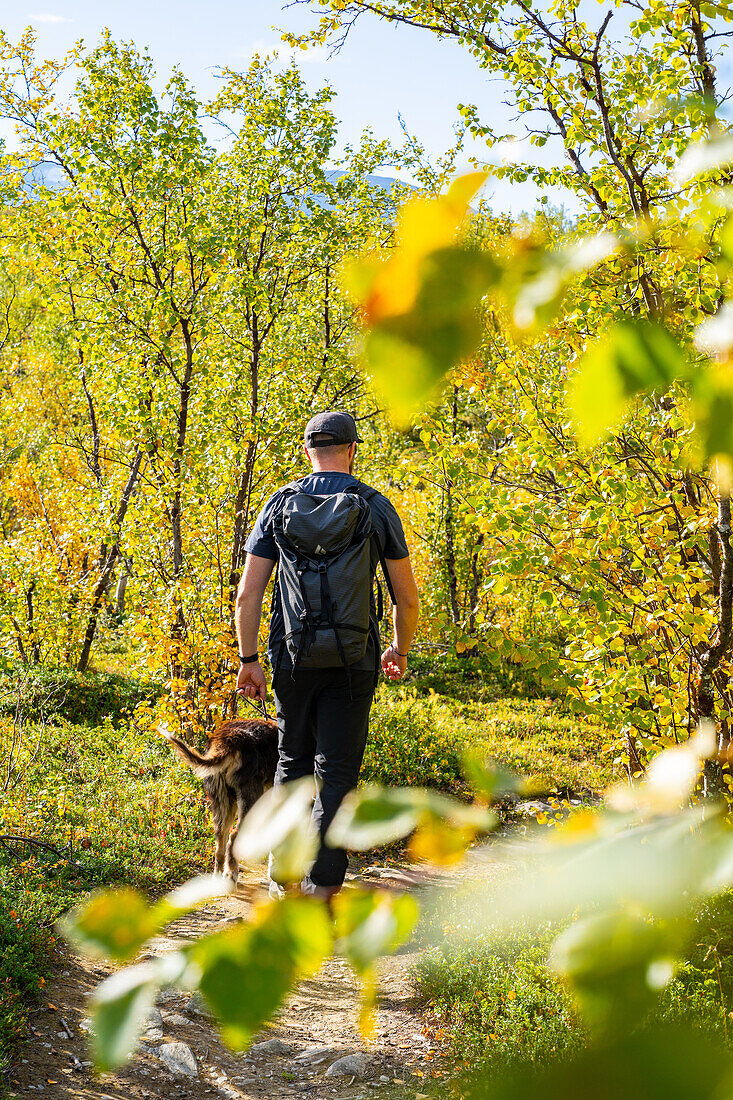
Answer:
(394, 666)
(251, 681)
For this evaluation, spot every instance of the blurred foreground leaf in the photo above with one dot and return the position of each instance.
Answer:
(634, 356)
(121, 1004)
(375, 815)
(658, 868)
(369, 924)
(713, 399)
(247, 971)
(280, 822)
(489, 777)
(409, 355)
(616, 963)
(420, 305)
(116, 923)
(648, 1065)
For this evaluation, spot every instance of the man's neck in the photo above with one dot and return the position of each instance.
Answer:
(330, 470)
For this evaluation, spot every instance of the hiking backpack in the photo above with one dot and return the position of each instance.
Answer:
(324, 577)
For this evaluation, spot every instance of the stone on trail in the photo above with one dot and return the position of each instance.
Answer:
(353, 1065)
(155, 1018)
(531, 809)
(271, 1046)
(174, 1019)
(313, 1056)
(179, 1058)
(197, 1006)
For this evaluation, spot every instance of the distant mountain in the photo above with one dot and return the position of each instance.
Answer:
(48, 174)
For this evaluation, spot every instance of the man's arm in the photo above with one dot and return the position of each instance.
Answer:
(247, 615)
(404, 617)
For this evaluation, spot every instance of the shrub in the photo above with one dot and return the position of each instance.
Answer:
(24, 964)
(418, 736)
(81, 698)
(411, 742)
(496, 1006)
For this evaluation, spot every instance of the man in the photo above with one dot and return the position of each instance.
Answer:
(323, 712)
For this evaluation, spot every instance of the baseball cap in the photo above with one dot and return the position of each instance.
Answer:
(329, 429)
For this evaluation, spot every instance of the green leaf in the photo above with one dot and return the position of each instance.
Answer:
(616, 963)
(113, 923)
(116, 923)
(280, 822)
(372, 923)
(375, 815)
(121, 1004)
(247, 971)
(632, 357)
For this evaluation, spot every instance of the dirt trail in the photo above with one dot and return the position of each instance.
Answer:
(321, 1014)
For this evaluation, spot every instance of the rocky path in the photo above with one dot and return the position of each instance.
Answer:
(181, 1055)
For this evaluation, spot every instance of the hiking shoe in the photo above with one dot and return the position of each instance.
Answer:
(277, 891)
(313, 890)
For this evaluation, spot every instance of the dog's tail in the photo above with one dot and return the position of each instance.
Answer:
(200, 765)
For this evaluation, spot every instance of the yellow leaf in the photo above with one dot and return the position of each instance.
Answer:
(440, 843)
(388, 289)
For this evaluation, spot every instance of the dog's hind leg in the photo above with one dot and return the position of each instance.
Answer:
(232, 861)
(223, 813)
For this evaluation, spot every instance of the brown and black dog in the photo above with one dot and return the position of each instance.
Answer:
(237, 768)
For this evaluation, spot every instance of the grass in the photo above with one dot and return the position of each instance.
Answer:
(118, 809)
(421, 728)
(118, 806)
(494, 1008)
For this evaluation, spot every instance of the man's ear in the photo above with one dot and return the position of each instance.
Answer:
(308, 455)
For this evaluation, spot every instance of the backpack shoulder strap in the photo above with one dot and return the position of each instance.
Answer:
(367, 493)
(288, 490)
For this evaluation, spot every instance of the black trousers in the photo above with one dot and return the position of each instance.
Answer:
(323, 731)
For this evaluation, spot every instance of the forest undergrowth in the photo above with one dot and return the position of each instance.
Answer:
(113, 806)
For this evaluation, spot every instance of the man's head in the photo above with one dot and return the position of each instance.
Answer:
(330, 441)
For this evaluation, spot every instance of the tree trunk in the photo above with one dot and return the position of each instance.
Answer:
(34, 646)
(709, 660)
(244, 489)
(105, 577)
(450, 537)
(450, 555)
(120, 594)
(476, 578)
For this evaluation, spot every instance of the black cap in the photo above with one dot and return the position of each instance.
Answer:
(330, 429)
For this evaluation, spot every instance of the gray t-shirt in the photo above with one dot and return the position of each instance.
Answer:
(389, 535)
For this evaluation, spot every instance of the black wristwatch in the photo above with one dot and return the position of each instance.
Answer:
(249, 660)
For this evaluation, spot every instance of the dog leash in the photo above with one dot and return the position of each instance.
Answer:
(262, 705)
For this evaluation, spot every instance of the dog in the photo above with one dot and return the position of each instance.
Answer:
(236, 769)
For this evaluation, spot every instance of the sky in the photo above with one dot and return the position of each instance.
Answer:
(382, 73)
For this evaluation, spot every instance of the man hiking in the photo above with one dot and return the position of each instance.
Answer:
(328, 533)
